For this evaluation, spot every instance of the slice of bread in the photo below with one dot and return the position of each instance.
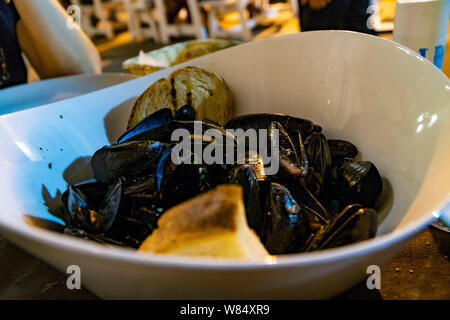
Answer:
(205, 91)
(212, 224)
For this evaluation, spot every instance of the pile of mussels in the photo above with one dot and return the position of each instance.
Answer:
(320, 198)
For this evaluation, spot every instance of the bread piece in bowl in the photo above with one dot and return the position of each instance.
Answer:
(212, 224)
(204, 90)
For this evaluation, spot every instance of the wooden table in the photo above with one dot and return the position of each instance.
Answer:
(420, 271)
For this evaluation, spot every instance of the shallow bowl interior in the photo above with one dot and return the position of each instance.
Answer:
(386, 99)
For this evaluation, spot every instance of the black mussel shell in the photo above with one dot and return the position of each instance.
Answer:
(316, 213)
(291, 162)
(94, 189)
(91, 189)
(285, 229)
(212, 175)
(131, 231)
(318, 153)
(286, 147)
(313, 181)
(140, 184)
(100, 238)
(185, 113)
(109, 207)
(126, 160)
(87, 212)
(355, 223)
(204, 131)
(140, 210)
(245, 176)
(302, 163)
(293, 126)
(176, 182)
(358, 182)
(341, 149)
(151, 122)
(263, 121)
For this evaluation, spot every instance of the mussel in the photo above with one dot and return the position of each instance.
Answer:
(341, 149)
(319, 198)
(263, 121)
(285, 229)
(126, 160)
(245, 176)
(355, 223)
(318, 153)
(153, 121)
(355, 182)
(291, 162)
(93, 206)
(292, 125)
(176, 182)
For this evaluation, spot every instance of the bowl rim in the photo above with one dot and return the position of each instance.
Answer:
(94, 250)
(71, 77)
(125, 255)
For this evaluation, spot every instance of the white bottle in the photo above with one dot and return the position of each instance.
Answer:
(421, 25)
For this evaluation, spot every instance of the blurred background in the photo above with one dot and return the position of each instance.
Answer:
(120, 29)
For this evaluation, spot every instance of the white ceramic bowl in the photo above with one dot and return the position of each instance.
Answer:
(390, 102)
(35, 94)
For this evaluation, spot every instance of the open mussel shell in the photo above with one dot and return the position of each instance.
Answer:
(94, 189)
(293, 126)
(341, 149)
(291, 162)
(151, 122)
(355, 223)
(86, 209)
(109, 207)
(316, 212)
(126, 160)
(185, 113)
(285, 229)
(245, 176)
(263, 121)
(286, 147)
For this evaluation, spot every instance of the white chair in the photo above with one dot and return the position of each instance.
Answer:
(98, 10)
(139, 12)
(216, 7)
(166, 29)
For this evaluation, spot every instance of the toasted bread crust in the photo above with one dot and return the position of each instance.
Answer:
(212, 213)
(204, 90)
(156, 97)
